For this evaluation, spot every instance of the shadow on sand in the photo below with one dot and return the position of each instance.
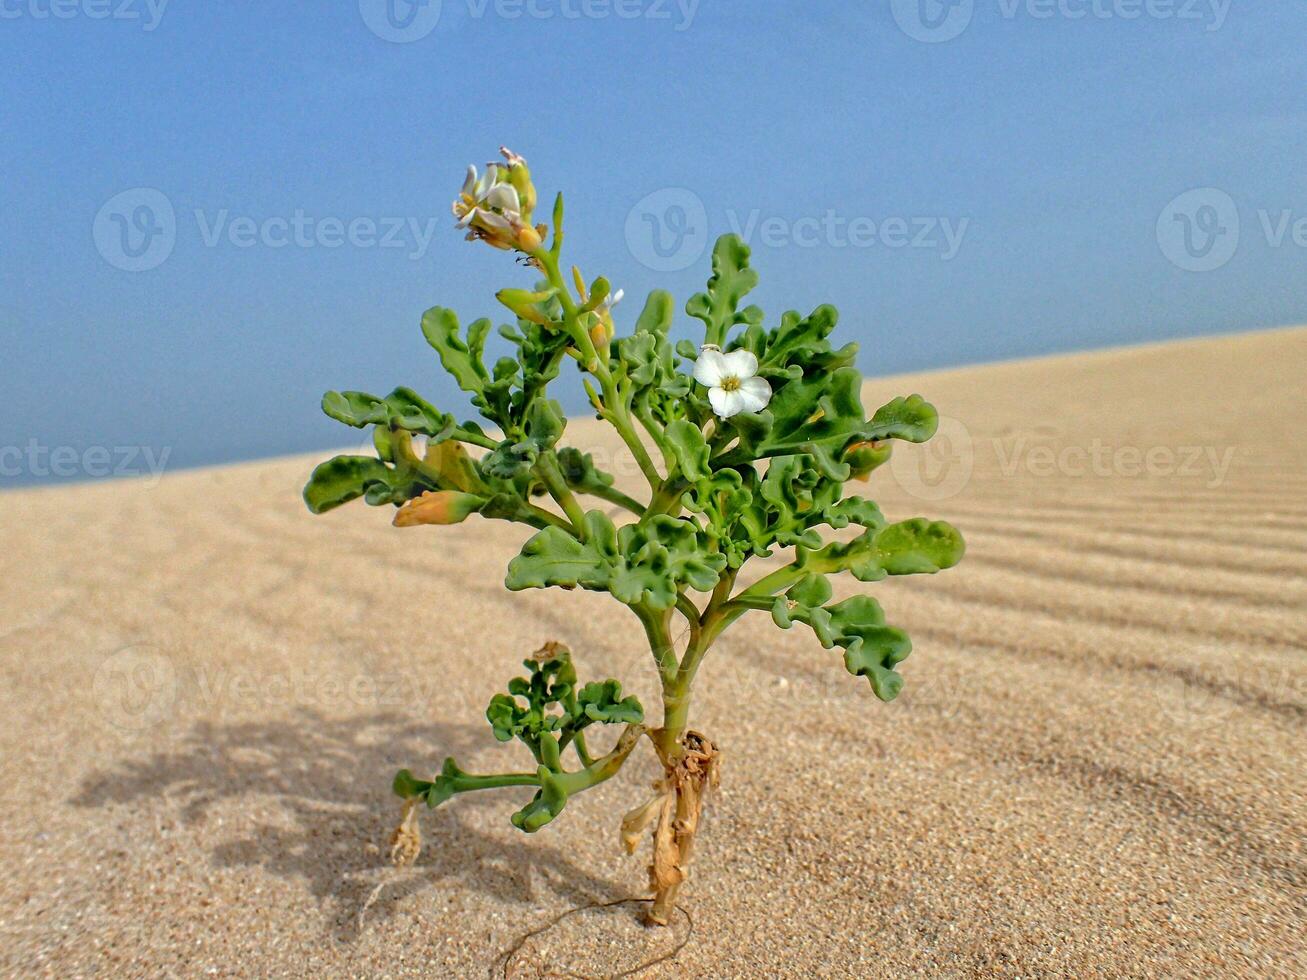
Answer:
(330, 778)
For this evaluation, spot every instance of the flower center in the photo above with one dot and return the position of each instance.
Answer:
(730, 384)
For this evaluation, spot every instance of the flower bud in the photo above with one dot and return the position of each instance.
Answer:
(863, 457)
(519, 175)
(438, 507)
(526, 304)
(528, 239)
(601, 334)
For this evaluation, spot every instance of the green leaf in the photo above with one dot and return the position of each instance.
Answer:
(871, 648)
(580, 473)
(799, 346)
(912, 419)
(646, 562)
(908, 548)
(821, 416)
(553, 557)
(345, 478)
(403, 408)
(688, 446)
(544, 806)
(462, 359)
(602, 701)
(656, 317)
(855, 510)
(731, 281)
(811, 590)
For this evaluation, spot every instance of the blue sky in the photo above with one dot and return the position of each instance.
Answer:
(1009, 186)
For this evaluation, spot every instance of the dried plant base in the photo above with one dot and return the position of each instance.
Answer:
(674, 814)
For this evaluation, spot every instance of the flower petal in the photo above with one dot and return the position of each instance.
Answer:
(740, 364)
(755, 393)
(725, 403)
(492, 220)
(470, 182)
(710, 368)
(504, 196)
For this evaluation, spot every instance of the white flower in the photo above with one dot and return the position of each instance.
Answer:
(731, 381)
(482, 194)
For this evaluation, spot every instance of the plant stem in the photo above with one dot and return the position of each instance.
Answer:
(660, 640)
(691, 613)
(615, 496)
(616, 410)
(552, 475)
(676, 715)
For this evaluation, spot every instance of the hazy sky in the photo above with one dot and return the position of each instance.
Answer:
(212, 212)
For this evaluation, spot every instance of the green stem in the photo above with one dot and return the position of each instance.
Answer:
(676, 714)
(615, 496)
(606, 766)
(582, 751)
(616, 410)
(660, 640)
(691, 613)
(466, 783)
(552, 475)
(594, 773)
(667, 496)
(539, 517)
(474, 438)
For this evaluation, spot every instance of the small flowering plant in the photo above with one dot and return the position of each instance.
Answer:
(746, 441)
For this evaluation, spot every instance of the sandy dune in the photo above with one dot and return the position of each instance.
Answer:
(1098, 766)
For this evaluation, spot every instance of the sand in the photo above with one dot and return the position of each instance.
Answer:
(1097, 766)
